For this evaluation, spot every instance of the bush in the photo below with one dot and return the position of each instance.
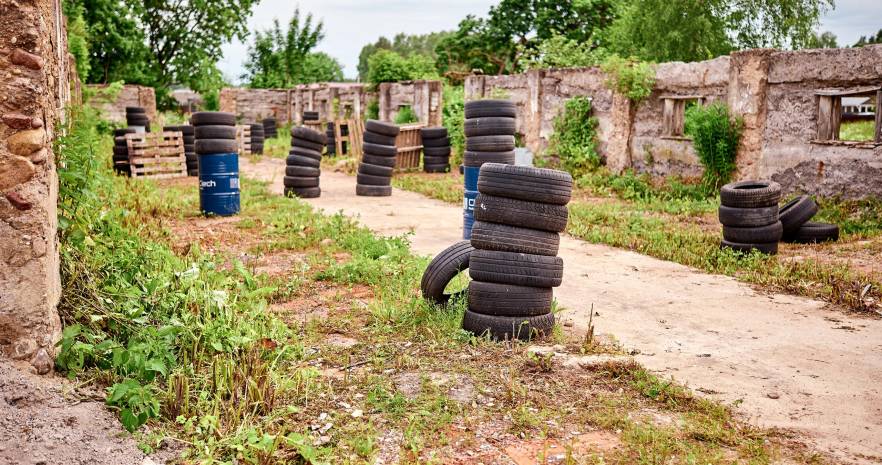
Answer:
(453, 118)
(406, 115)
(715, 136)
(388, 66)
(575, 137)
(629, 77)
(373, 110)
(561, 52)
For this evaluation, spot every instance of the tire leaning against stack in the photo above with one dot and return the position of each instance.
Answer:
(374, 177)
(303, 165)
(516, 239)
(749, 215)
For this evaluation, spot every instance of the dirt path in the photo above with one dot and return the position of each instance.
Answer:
(788, 361)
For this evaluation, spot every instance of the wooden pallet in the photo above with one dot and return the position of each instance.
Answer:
(353, 139)
(410, 145)
(157, 155)
(243, 139)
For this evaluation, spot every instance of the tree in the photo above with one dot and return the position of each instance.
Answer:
(864, 40)
(691, 30)
(403, 44)
(280, 58)
(389, 66)
(825, 40)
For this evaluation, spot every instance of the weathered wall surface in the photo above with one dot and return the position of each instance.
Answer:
(34, 90)
(422, 96)
(773, 91)
(129, 96)
(288, 105)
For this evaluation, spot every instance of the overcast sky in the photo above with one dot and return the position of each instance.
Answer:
(351, 24)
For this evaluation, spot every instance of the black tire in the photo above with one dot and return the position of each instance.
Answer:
(122, 132)
(308, 134)
(812, 232)
(750, 194)
(373, 191)
(519, 269)
(526, 183)
(216, 132)
(439, 142)
(479, 158)
(133, 110)
(755, 235)
(505, 238)
(291, 181)
(379, 127)
(380, 139)
(436, 151)
(375, 170)
(796, 213)
(436, 168)
(370, 180)
(508, 299)
(257, 140)
(302, 171)
(194, 172)
(436, 160)
(209, 146)
(380, 150)
(303, 192)
(442, 269)
(770, 248)
(522, 213)
(489, 107)
(504, 328)
(121, 151)
(294, 160)
(490, 143)
(137, 121)
(379, 161)
(306, 144)
(748, 217)
(433, 133)
(190, 148)
(304, 152)
(489, 126)
(203, 118)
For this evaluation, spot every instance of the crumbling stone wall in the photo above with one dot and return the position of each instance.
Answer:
(34, 90)
(422, 96)
(130, 96)
(288, 105)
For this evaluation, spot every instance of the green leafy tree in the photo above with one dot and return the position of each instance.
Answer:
(867, 40)
(389, 66)
(825, 40)
(405, 45)
(78, 38)
(560, 52)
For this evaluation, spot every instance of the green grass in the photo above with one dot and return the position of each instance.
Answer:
(445, 187)
(193, 343)
(857, 130)
(279, 146)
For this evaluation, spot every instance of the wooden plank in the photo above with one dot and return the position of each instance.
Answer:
(681, 97)
(836, 117)
(847, 92)
(668, 117)
(878, 138)
(825, 117)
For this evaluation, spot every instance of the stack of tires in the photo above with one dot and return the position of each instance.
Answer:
(489, 131)
(749, 214)
(257, 138)
(436, 150)
(332, 140)
(189, 133)
(121, 151)
(519, 214)
(310, 116)
(303, 165)
(374, 177)
(136, 117)
(218, 162)
(795, 216)
(269, 128)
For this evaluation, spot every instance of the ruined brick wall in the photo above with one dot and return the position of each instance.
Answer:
(130, 96)
(422, 96)
(288, 105)
(34, 90)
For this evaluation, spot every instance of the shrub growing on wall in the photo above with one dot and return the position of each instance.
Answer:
(630, 77)
(406, 115)
(453, 118)
(715, 135)
(575, 137)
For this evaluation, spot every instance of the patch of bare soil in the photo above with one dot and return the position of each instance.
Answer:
(46, 420)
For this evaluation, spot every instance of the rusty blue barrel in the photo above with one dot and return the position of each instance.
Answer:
(219, 184)
(468, 200)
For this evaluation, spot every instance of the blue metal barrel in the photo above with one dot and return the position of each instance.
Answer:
(468, 200)
(219, 184)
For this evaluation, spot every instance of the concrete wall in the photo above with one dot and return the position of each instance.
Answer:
(129, 96)
(35, 89)
(423, 97)
(773, 91)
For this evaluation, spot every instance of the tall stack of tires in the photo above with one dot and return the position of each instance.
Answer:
(189, 133)
(269, 128)
(749, 214)
(137, 117)
(332, 139)
(257, 138)
(303, 165)
(436, 150)
(374, 177)
(217, 152)
(519, 214)
(489, 131)
(121, 151)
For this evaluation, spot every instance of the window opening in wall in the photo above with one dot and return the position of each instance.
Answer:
(849, 116)
(673, 114)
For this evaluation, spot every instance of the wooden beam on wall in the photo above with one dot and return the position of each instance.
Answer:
(825, 117)
(878, 117)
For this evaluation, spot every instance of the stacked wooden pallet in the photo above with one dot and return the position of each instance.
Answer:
(157, 155)
(243, 139)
